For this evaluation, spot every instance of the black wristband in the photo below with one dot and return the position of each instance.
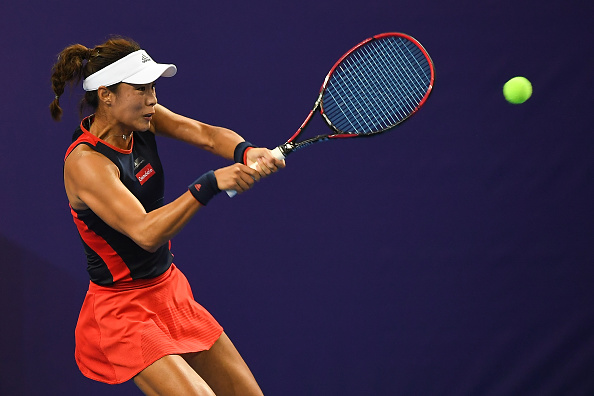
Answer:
(239, 153)
(204, 188)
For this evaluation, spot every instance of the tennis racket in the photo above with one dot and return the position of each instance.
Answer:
(375, 86)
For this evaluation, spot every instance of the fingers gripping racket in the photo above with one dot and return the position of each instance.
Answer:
(375, 86)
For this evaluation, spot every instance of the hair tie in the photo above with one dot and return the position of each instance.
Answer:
(89, 54)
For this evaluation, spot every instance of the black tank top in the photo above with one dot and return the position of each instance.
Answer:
(111, 256)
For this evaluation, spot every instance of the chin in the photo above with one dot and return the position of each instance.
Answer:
(143, 126)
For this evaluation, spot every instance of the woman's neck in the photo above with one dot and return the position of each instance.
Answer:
(111, 132)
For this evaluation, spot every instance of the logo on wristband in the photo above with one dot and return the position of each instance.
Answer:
(145, 173)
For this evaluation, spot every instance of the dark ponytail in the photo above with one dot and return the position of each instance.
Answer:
(77, 62)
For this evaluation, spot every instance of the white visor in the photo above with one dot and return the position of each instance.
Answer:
(135, 68)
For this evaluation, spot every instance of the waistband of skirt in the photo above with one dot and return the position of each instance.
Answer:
(132, 284)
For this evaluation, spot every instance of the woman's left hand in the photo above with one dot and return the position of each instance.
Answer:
(266, 163)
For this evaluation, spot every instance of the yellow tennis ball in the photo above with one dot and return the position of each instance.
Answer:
(517, 90)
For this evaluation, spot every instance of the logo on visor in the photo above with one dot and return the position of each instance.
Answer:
(145, 58)
(145, 173)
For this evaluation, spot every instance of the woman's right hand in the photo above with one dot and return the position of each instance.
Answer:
(236, 177)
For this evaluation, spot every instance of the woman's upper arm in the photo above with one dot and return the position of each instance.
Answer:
(167, 123)
(218, 140)
(93, 181)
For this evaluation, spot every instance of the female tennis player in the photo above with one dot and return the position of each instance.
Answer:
(139, 319)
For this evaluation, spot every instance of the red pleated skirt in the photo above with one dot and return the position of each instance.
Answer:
(123, 329)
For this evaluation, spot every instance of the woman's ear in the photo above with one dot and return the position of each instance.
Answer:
(105, 95)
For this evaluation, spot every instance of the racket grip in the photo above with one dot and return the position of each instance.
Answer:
(276, 153)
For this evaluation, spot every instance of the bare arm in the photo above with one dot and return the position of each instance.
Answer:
(217, 140)
(92, 181)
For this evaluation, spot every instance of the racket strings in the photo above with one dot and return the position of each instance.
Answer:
(377, 86)
(405, 92)
(360, 92)
(409, 95)
(381, 82)
(418, 84)
(383, 72)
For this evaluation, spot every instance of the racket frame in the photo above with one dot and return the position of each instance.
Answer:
(291, 145)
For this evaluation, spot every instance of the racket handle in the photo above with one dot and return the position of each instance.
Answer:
(276, 153)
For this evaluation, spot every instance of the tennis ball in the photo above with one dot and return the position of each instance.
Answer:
(517, 90)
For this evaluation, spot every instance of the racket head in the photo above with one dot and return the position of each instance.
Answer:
(376, 85)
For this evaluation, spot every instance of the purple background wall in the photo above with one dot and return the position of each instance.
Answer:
(450, 257)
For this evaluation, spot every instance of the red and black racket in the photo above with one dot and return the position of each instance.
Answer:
(375, 86)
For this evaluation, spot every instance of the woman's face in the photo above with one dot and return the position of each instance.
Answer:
(133, 106)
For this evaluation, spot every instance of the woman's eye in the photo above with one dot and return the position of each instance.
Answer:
(143, 88)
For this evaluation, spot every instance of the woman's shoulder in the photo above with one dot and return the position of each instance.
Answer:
(84, 159)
